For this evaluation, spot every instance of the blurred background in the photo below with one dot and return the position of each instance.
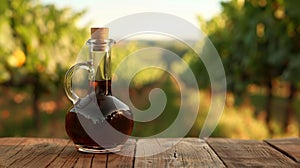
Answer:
(257, 40)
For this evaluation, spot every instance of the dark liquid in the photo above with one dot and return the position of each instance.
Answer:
(108, 134)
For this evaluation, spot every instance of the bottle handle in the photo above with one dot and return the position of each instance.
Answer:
(71, 94)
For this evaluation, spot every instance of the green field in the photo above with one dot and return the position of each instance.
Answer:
(242, 121)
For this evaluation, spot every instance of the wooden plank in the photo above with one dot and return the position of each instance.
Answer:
(6, 144)
(99, 160)
(36, 152)
(124, 158)
(66, 158)
(196, 153)
(189, 152)
(49, 150)
(70, 157)
(249, 153)
(8, 148)
(147, 147)
(84, 160)
(288, 146)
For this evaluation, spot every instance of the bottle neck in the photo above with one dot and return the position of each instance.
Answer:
(101, 87)
(100, 58)
(101, 65)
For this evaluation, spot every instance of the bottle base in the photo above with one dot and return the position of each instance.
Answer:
(97, 149)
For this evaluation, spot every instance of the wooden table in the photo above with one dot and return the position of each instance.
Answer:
(189, 152)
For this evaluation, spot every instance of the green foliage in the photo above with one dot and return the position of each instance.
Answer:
(37, 42)
(258, 41)
(136, 55)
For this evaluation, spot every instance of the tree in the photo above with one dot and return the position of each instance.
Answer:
(37, 43)
(259, 42)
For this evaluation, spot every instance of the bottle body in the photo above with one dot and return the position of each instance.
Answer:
(97, 122)
(108, 133)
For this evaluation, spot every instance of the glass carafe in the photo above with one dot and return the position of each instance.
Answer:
(97, 122)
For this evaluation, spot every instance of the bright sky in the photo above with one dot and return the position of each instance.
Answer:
(101, 12)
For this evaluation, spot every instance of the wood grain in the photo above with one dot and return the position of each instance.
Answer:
(124, 158)
(189, 152)
(35, 152)
(288, 146)
(8, 148)
(99, 160)
(249, 153)
(84, 160)
(168, 152)
(66, 158)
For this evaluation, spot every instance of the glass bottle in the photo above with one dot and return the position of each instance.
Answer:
(98, 122)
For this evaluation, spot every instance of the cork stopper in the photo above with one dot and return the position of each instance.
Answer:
(99, 33)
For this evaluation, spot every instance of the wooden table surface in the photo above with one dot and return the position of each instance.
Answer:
(189, 152)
